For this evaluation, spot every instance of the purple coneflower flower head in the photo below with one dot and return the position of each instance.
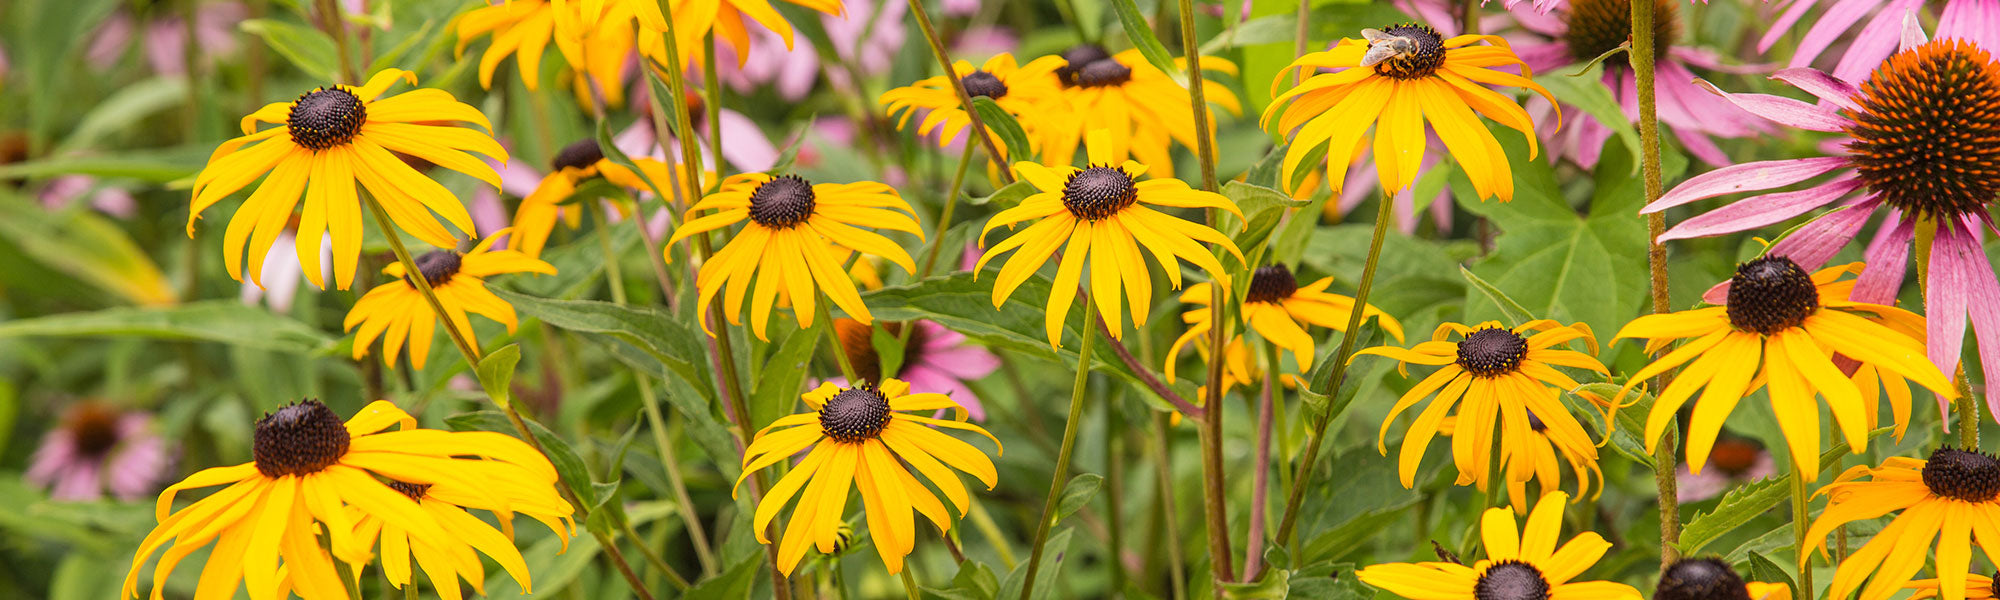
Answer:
(936, 360)
(791, 72)
(1580, 31)
(1910, 152)
(1974, 20)
(97, 448)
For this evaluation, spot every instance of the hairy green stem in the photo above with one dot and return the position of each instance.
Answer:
(1644, 53)
(1214, 503)
(1061, 477)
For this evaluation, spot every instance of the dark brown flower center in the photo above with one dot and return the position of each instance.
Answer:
(1734, 455)
(981, 83)
(1272, 283)
(579, 155)
(1511, 580)
(1701, 579)
(1771, 294)
(1076, 58)
(1103, 73)
(93, 427)
(414, 490)
(1961, 475)
(1099, 192)
(855, 415)
(326, 117)
(1927, 137)
(437, 267)
(858, 341)
(1492, 352)
(300, 439)
(1594, 27)
(782, 202)
(1419, 55)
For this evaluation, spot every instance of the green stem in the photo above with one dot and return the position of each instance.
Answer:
(336, 26)
(1644, 53)
(1114, 487)
(1317, 435)
(1801, 522)
(659, 564)
(1163, 470)
(1214, 504)
(984, 523)
(923, 17)
(839, 354)
(910, 583)
(1061, 477)
(713, 105)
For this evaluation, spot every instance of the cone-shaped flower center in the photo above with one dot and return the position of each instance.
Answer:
(1272, 283)
(855, 415)
(579, 155)
(1103, 73)
(414, 490)
(437, 267)
(1075, 58)
(1511, 580)
(858, 341)
(1491, 352)
(1701, 579)
(1771, 294)
(1962, 475)
(981, 83)
(326, 117)
(782, 202)
(1415, 49)
(1594, 27)
(300, 439)
(1099, 192)
(1927, 137)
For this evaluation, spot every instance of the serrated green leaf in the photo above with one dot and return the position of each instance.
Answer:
(496, 373)
(1746, 502)
(1763, 569)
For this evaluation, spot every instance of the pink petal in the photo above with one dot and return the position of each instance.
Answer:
(1784, 25)
(1785, 111)
(1984, 293)
(1888, 261)
(1822, 85)
(1977, 21)
(1833, 24)
(1818, 240)
(1745, 177)
(744, 144)
(1768, 209)
(56, 453)
(1874, 43)
(79, 483)
(1959, 276)
(1700, 146)
(1913, 32)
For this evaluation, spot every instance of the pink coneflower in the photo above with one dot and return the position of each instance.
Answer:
(744, 145)
(99, 447)
(936, 360)
(66, 190)
(164, 36)
(1581, 30)
(1734, 461)
(1911, 150)
(791, 72)
(1974, 20)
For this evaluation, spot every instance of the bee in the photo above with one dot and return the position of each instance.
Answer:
(1383, 46)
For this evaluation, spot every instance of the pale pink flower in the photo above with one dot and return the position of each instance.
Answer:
(164, 37)
(1977, 21)
(99, 447)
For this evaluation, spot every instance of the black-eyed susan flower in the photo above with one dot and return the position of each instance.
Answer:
(1952, 498)
(1496, 377)
(576, 163)
(397, 311)
(1103, 214)
(1279, 310)
(1545, 454)
(1712, 579)
(728, 19)
(1142, 107)
(1024, 91)
(309, 469)
(329, 139)
(797, 236)
(1781, 327)
(1397, 79)
(1977, 587)
(1519, 565)
(595, 45)
(860, 437)
(508, 490)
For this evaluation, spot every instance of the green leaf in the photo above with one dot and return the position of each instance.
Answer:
(1516, 314)
(496, 373)
(1584, 91)
(1763, 569)
(974, 581)
(307, 48)
(1077, 494)
(1263, 206)
(1142, 37)
(87, 246)
(888, 349)
(1006, 196)
(554, 569)
(1747, 502)
(1054, 554)
(10, 409)
(618, 157)
(735, 582)
(776, 390)
(163, 166)
(1003, 127)
(224, 321)
(1276, 585)
(393, 56)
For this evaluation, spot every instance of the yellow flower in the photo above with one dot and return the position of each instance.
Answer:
(1977, 587)
(446, 560)
(1547, 453)
(595, 45)
(1278, 309)
(1024, 91)
(574, 164)
(1506, 381)
(1142, 107)
(1952, 497)
(396, 310)
(1396, 80)
(856, 436)
(1101, 212)
(309, 470)
(329, 139)
(694, 19)
(1526, 563)
(1781, 327)
(798, 234)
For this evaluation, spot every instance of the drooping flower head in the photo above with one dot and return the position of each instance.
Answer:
(1782, 326)
(1548, 454)
(1396, 80)
(574, 164)
(97, 448)
(396, 310)
(1024, 91)
(1950, 497)
(1103, 213)
(1143, 108)
(1278, 309)
(795, 238)
(1913, 152)
(328, 140)
(1497, 378)
(1520, 564)
(861, 436)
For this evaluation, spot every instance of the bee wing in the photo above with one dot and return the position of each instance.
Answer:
(1378, 53)
(1375, 36)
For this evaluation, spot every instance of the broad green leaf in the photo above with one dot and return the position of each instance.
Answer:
(223, 321)
(1141, 34)
(554, 570)
(1263, 206)
(1054, 554)
(307, 48)
(496, 373)
(1516, 314)
(778, 383)
(162, 166)
(87, 246)
(1006, 131)
(1746, 502)
(974, 581)
(1077, 493)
